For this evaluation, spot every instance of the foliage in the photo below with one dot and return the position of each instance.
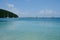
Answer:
(5, 14)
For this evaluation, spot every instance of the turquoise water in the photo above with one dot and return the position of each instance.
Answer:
(30, 30)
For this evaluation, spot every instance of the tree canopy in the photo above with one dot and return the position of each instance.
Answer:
(5, 14)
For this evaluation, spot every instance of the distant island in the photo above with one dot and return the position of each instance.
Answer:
(7, 14)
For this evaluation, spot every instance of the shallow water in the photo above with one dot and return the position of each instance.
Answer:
(30, 30)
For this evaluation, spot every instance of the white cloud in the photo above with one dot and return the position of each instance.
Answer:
(41, 13)
(47, 13)
(13, 9)
(10, 5)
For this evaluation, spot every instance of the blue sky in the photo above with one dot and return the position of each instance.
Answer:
(32, 8)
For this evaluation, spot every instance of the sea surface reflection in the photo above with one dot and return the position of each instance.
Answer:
(30, 30)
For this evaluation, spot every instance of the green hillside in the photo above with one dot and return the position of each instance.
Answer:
(7, 14)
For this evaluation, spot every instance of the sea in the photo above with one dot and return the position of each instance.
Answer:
(29, 28)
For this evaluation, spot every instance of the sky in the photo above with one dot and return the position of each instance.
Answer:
(32, 8)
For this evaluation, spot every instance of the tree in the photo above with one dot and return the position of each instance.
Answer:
(5, 14)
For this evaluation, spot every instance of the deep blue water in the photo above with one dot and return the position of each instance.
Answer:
(29, 19)
(30, 29)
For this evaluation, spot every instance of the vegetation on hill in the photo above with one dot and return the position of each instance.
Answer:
(7, 14)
